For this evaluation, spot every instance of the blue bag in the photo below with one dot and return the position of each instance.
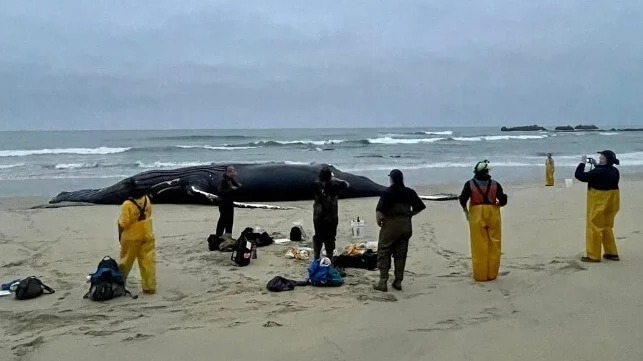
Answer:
(324, 276)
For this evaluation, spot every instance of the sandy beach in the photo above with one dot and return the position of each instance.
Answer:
(547, 305)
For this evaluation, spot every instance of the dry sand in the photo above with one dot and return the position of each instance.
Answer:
(545, 306)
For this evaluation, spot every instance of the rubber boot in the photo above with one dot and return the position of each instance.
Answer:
(399, 274)
(382, 284)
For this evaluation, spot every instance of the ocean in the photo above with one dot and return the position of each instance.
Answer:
(45, 163)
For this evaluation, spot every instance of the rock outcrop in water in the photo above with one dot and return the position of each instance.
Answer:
(586, 127)
(527, 128)
(564, 128)
(627, 130)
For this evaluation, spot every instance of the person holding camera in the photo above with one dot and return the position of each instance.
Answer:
(603, 203)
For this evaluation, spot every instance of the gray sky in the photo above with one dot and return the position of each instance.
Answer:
(74, 64)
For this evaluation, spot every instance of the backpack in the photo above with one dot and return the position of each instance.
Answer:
(295, 234)
(31, 287)
(107, 282)
(242, 253)
(260, 239)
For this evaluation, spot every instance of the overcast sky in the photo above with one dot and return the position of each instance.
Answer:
(74, 64)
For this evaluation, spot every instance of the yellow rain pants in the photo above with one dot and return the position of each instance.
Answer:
(485, 232)
(549, 174)
(138, 243)
(602, 207)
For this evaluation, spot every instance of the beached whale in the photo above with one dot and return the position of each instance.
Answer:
(265, 182)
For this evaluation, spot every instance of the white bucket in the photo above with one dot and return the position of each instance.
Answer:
(568, 182)
(357, 229)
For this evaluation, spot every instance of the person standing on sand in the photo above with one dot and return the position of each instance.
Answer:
(549, 171)
(225, 191)
(397, 205)
(603, 203)
(136, 237)
(485, 227)
(325, 212)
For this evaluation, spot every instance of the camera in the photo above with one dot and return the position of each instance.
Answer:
(591, 160)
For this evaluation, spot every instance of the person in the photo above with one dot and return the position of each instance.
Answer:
(226, 190)
(136, 237)
(325, 209)
(603, 203)
(549, 171)
(485, 197)
(397, 205)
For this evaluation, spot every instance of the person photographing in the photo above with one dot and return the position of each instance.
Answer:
(603, 203)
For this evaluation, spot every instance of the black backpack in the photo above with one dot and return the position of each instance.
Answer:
(31, 287)
(295, 234)
(243, 252)
(107, 282)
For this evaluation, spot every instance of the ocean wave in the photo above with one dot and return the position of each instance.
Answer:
(9, 166)
(491, 138)
(446, 132)
(199, 137)
(76, 165)
(280, 143)
(608, 133)
(390, 140)
(81, 151)
(159, 164)
(211, 147)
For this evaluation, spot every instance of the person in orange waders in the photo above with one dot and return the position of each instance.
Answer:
(549, 171)
(136, 237)
(603, 203)
(486, 197)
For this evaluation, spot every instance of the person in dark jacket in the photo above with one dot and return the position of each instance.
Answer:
(325, 211)
(603, 203)
(397, 205)
(225, 192)
(486, 196)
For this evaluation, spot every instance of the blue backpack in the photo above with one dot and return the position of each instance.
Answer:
(324, 276)
(107, 282)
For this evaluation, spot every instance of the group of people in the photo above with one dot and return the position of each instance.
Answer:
(481, 199)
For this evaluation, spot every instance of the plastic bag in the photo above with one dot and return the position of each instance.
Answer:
(322, 274)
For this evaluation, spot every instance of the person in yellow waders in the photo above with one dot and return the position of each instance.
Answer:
(603, 203)
(549, 171)
(486, 196)
(136, 237)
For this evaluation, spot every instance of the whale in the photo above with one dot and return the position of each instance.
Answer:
(261, 182)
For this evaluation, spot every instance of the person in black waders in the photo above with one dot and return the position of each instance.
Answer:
(397, 205)
(225, 191)
(325, 209)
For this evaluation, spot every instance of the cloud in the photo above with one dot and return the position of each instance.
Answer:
(171, 64)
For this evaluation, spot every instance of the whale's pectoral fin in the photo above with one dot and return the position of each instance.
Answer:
(214, 198)
(440, 197)
(260, 206)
